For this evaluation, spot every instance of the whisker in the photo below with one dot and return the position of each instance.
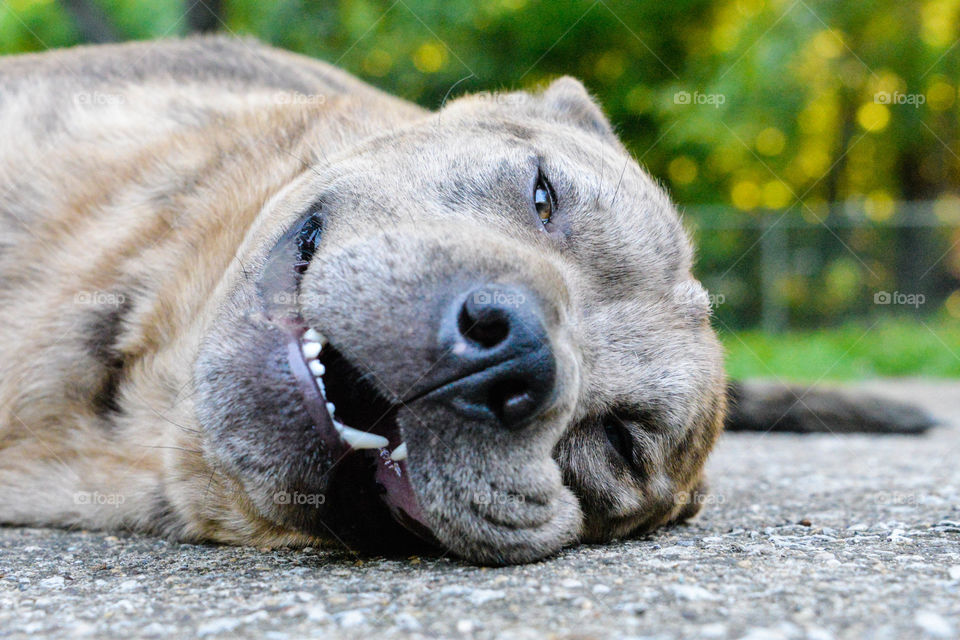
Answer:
(617, 190)
(160, 446)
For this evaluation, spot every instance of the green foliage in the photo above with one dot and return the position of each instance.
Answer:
(893, 347)
(797, 82)
(819, 115)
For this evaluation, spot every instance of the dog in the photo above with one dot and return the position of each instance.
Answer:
(248, 299)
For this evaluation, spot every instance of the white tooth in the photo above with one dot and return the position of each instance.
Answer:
(400, 453)
(311, 350)
(316, 368)
(339, 426)
(332, 408)
(312, 335)
(362, 439)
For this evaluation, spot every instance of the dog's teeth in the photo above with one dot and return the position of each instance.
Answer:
(400, 453)
(339, 426)
(311, 350)
(316, 368)
(312, 335)
(331, 408)
(362, 439)
(323, 389)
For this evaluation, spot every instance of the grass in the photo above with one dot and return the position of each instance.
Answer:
(889, 347)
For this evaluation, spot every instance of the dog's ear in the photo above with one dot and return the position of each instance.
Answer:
(566, 100)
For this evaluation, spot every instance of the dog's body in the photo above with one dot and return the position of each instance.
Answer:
(179, 221)
(110, 166)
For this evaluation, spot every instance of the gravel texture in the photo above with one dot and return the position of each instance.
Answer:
(805, 537)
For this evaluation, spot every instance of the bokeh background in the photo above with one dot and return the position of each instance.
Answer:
(812, 145)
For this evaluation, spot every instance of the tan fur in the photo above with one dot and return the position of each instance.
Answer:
(132, 219)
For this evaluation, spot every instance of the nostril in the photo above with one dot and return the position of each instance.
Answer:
(512, 401)
(496, 356)
(485, 327)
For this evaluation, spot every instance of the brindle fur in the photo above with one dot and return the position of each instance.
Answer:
(142, 187)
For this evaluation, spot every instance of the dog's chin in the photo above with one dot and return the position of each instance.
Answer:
(493, 501)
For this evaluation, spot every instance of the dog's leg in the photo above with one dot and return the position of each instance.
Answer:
(756, 406)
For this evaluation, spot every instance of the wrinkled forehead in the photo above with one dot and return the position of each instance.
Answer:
(482, 161)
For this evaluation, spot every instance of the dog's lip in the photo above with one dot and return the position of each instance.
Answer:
(313, 400)
(279, 288)
(392, 475)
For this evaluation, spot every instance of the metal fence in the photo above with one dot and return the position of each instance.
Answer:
(823, 265)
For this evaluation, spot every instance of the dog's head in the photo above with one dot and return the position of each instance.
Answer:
(481, 328)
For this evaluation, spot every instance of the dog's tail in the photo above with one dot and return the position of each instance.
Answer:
(761, 406)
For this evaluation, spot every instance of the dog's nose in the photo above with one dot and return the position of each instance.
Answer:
(498, 349)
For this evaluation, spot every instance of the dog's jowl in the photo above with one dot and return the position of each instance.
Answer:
(247, 298)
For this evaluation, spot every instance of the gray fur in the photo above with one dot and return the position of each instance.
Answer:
(181, 186)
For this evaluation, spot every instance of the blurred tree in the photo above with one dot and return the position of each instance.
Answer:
(92, 21)
(204, 16)
(818, 117)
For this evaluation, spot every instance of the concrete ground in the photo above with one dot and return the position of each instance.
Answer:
(806, 537)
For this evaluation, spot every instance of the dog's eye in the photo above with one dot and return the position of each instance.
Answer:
(543, 199)
(307, 238)
(619, 437)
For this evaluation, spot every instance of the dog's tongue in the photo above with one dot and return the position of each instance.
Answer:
(393, 476)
